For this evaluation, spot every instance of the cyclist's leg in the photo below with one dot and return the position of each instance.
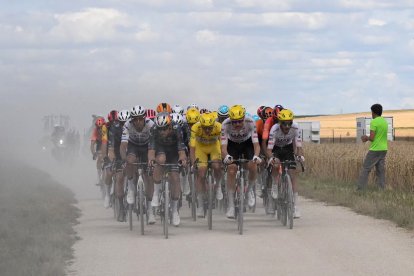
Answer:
(215, 155)
(202, 157)
(248, 153)
(174, 179)
(233, 149)
(157, 175)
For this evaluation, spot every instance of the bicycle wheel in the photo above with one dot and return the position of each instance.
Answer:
(141, 202)
(283, 200)
(241, 206)
(193, 197)
(130, 211)
(166, 209)
(210, 201)
(289, 202)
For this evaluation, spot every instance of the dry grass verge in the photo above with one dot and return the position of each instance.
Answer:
(37, 217)
(394, 205)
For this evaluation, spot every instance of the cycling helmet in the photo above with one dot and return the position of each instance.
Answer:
(138, 111)
(193, 105)
(285, 115)
(177, 118)
(237, 112)
(163, 119)
(223, 111)
(112, 116)
(204, 110)
(193, 115)
(164, 107)
(100, 122)
(123, 115)
(276, 110)
(260, 110)
(267, 113)
(207, 119)
(151, 114)
(178, 109)
(215, 114)
(255, 117)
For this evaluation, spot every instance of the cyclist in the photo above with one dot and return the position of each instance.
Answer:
(205, 141)
(284, 144)
(178, 119)
(151, 114)
(114, 141)
(114, 144)
(239, 138)
(99, 140)
(223, 113)
(163, 107)
(178, 109)
(166, 146)
(134, 148)
(272, 120)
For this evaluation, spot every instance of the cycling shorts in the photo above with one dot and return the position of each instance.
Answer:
(285, 153)
(171, 155)
(140, 152)
(241, 150)
(202, 151)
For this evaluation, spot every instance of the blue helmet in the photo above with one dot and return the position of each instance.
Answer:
(255, 117)
(223, 111)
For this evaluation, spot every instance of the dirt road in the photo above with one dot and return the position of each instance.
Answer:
(325, 241)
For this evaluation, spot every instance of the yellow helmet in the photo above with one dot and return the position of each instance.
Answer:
(285, 115)
(192, 116)
(237, 112)
(215, 114)
(207, 119)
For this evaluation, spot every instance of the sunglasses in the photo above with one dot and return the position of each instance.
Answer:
(237, 122)
(287, 124)
(138, 119)
(208, 128)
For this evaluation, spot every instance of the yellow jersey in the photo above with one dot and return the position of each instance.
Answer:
(199, 136)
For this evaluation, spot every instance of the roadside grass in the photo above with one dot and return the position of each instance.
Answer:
(394, 205)
(37, 216)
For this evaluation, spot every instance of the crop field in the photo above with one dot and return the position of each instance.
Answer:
(343, 162)
(344, 125)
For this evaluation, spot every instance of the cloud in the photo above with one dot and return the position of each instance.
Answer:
(376, 22)
(145, 34)
(206, 37)
(88, 25)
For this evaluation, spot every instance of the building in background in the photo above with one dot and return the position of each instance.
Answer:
(310, 131)
(362, 124)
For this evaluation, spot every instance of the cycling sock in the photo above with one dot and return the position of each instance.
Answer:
(174, 204)
(200, 198)
(157, 187)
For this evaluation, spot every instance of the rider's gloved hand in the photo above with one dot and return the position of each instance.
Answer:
(228, 159)
(301, 158)
(256, 159)
(271, 161)
(151, 162)
(182, 162)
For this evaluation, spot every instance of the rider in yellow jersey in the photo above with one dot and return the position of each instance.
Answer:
(205, 141)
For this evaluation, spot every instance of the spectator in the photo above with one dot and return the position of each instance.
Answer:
(377, 150)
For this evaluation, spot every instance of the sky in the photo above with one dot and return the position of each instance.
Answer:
(314, 57)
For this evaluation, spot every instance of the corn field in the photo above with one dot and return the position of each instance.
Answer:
(343, 162)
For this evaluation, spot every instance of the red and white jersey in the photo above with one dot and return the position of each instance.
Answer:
(279, 139)
(228, 132)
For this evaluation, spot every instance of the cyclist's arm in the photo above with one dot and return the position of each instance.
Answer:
(151, 144)
(104, 148)
(255, 140)
(297, 143)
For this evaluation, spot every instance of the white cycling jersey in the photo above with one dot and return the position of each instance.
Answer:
(228, 132)
(279, 139)
(132, 135)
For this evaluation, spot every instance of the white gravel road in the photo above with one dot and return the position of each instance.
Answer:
(327, 240)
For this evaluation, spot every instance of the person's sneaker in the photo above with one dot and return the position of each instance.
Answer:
(106, 201)
(130, 197)
(251, 199)
(259, 191)
(200, 212)
(151, 217)
(296, 213)
(186, 187)
(274, 192)
(270, 208)
(230, 213)
(175, 218)
(219, 194)
(155, 200)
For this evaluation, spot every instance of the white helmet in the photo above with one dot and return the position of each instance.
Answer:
(138, 111)
(193, 105)
(123, 115)
(163, 119)
(178, 109)
(177, 118)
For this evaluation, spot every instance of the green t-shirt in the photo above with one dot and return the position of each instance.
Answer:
(380, 126)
